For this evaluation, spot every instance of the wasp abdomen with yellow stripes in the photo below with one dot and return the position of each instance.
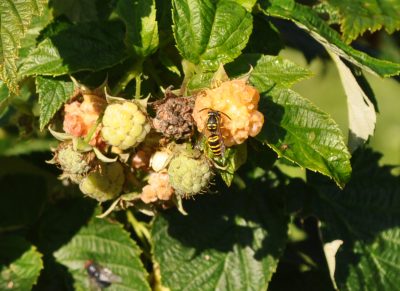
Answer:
(216, 145)
(214, 140)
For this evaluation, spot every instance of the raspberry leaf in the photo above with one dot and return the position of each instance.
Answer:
(208, 33)
(234, 157)
(302, 133)
(13, 145)
(361, 110)
(5, 97)
(248, 4)
(21, 263)
(265, 37)
(107, 244)
(77, 10)
(141, 25)
(309, 20)
(53, 94)
(15, 18)
(85, 46)
(269, 70)
(356, 16)
(234, 245)
(365, 215)
(294, 127)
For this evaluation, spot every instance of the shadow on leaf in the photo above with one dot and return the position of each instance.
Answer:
(366, 216)
(228, 228)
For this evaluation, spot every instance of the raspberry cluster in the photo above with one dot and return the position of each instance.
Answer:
(115, 150)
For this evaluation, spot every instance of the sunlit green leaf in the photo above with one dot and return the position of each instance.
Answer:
(209, 33)
(15, 18)
(20, 264)
(302, 133)
(268, 71)
(248, 4)
(52, 95)
(307, 19)
(29, 41)
(358, 16)
(362, 115)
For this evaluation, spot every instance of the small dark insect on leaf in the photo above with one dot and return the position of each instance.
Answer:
(284, 147)
(101, 276)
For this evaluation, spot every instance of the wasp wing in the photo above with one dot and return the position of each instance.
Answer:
(107, 276)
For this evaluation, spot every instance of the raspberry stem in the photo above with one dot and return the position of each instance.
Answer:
(92, 130)
(135, 70)
(138, 80)
(142, 231)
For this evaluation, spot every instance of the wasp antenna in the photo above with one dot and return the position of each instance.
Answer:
(207, 108)
(226, 115)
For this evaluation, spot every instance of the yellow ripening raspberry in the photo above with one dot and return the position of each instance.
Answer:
(124, 125)
(158, 188)
(237, 100)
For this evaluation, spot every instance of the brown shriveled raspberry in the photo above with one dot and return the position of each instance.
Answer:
(237, 100)
(174, 116)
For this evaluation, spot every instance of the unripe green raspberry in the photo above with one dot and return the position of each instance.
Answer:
(72, 161)
(124, 125)
(189, 175)
(104, 184)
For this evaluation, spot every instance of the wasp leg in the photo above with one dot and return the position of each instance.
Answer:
(219, 166)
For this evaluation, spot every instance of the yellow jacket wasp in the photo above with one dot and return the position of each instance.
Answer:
(213, 125)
